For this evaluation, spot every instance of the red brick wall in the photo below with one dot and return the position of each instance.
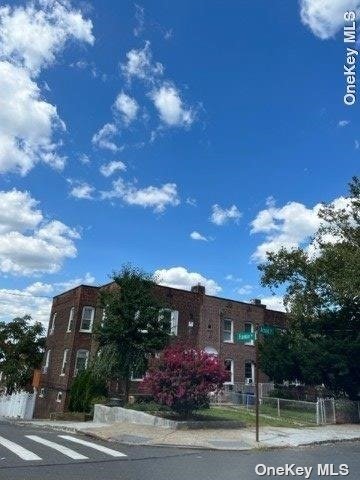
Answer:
(205, 313)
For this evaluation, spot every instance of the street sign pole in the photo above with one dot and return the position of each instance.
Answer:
(257, 382)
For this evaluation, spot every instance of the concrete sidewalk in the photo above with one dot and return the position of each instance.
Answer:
(219, 439)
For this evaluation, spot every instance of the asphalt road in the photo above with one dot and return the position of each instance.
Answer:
(40, 454)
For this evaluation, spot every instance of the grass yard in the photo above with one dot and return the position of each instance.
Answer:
(268, 415)
(248, 416)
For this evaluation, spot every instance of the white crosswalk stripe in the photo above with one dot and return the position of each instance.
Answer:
(18, 450)
(100, 448)
(56, 446)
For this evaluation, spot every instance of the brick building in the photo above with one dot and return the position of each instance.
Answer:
(206, 321)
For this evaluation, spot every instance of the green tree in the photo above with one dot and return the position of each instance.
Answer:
(84, 389)
(132, 328)
(322, 283)
(21, 350)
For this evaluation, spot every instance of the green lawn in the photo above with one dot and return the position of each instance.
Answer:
(268, 415)
(248, 417)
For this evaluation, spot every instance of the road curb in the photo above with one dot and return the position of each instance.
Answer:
(227, 449)
(95, 436)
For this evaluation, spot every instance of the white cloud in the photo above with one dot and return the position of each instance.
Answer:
(35, 299)
(289, 226)
(171, 109)
(110, 168)
(220, 216)
(233, 278)
(127, 106)
(357, 144)
(197, 236)
(140, 20)
(27, 123)
(103, 138)
(84, 159)
(191, 201)
(82, 190)
(140, 65)
(343, 123)
(157, 198)
(17, 303)
(180, 277)
(29, 244)
(18, 212)
(326, 17)
(65, 285)
(30, 39)
(275, 302)
(245, 290)
(31, 36)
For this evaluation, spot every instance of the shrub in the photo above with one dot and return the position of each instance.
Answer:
(84, 390)
(182, 378)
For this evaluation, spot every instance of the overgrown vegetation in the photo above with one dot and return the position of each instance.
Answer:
(85, 391)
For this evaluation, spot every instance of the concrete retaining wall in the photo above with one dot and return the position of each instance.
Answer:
(104, 414)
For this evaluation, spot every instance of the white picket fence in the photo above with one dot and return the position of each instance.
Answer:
(18, 405)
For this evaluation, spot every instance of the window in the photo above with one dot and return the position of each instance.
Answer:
(172, 316)
(81, 361)
(42, 393)
(249, 328)
(71, 319)
(249, 372)
(47, 362)
(229, 368)
(59, 397)
(228, 331)
(87, 319)
(52, 324)
(64, 362)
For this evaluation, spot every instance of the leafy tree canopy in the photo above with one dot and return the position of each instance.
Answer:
(132, 328)
(322, 283)
(21, 350)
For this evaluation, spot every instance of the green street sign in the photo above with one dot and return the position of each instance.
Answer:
(267, 329)
(245, 336)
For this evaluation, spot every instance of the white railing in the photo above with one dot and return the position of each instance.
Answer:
(18, 405)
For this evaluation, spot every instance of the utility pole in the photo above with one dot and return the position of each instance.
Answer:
(257, 382)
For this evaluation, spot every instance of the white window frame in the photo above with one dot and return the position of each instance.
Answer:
(81, 351)
(71, 320)
(231, 382)
(42, 393)
(52, 323)
(252, 373)
(46, 365)
(59, 396)
(174, 320)
(87, 330)
(64, 362)
(231, 330)
(251, 342)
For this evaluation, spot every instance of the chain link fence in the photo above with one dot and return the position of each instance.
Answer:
(323, 411)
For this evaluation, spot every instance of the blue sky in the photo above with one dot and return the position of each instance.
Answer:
(185, 137)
